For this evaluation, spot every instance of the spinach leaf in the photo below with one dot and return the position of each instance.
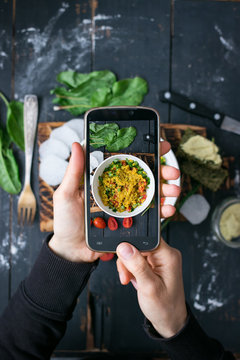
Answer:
(15, 125)
(128, 92)
(96, 128)
(9, 176)
(100, 135)
(96, 89)
(73, 79)
(101, 139)
(6, 140)
(84, 90)
(124, 138)
(111, 136)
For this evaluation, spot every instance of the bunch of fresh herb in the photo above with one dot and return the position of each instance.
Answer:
(111, 136)
(82, 92)
(9, 174)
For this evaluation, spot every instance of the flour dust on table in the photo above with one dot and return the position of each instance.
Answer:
(46, 46)
(207, 294)
(16, 248)
(227, 43)
(5, 42)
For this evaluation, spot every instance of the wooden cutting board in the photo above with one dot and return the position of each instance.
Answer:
(170, 132)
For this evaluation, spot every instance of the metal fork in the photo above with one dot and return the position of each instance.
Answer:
(27, 200)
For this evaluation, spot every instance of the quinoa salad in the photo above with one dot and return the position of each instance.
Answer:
(123, 185)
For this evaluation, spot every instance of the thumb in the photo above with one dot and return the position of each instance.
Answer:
(74, 172)
(135, 263)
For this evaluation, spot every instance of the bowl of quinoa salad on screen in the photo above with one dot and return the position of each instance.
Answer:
(123, 185)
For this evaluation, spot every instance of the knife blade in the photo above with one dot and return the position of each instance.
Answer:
(221, 120)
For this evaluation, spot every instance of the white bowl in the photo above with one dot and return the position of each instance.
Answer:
(150, 189)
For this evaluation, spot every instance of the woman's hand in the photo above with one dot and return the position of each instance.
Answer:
(157, 277)
(68, 240)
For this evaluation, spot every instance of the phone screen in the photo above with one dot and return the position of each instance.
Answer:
(143, 230)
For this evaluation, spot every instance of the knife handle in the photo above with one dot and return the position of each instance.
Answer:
(191, 106)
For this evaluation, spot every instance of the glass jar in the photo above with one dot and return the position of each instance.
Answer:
(215, 223)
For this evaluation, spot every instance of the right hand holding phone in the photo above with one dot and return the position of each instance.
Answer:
(157, 277)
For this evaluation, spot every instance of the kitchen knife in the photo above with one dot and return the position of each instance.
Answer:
(221, 120)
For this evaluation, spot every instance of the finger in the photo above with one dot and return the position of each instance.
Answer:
(169, 172)
(160, 254)
(133, 281)
(124, 275)
(167, 211)
(74, 172)
(170, 190)
(163, 246)
(164, 147)
(136, 264)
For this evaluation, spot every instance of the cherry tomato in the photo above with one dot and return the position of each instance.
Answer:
(91, 222)
(112, 223)
(107, 257)
(127, 222)
(99, 223)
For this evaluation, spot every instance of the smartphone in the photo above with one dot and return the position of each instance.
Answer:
(141, 230)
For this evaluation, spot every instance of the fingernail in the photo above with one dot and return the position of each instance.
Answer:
(125, 250)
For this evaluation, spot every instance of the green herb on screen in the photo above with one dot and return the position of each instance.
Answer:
(110, 136)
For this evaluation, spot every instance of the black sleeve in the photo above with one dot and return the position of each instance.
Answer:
(189, 343)
(35, 319)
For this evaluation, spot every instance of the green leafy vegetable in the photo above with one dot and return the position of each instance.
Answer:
(123, 139)
(73, 79)
(9, 176)
(111, 136)
(81, 92)
(100, 135)
(15, 121)
(98, 127)
(128, 92)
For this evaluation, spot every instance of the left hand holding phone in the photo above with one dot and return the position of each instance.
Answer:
(68, 240)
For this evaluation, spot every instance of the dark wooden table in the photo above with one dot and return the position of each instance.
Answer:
(192, 47)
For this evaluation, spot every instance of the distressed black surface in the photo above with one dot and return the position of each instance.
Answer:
(201, 60)
(205, 67)
(5, 199)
